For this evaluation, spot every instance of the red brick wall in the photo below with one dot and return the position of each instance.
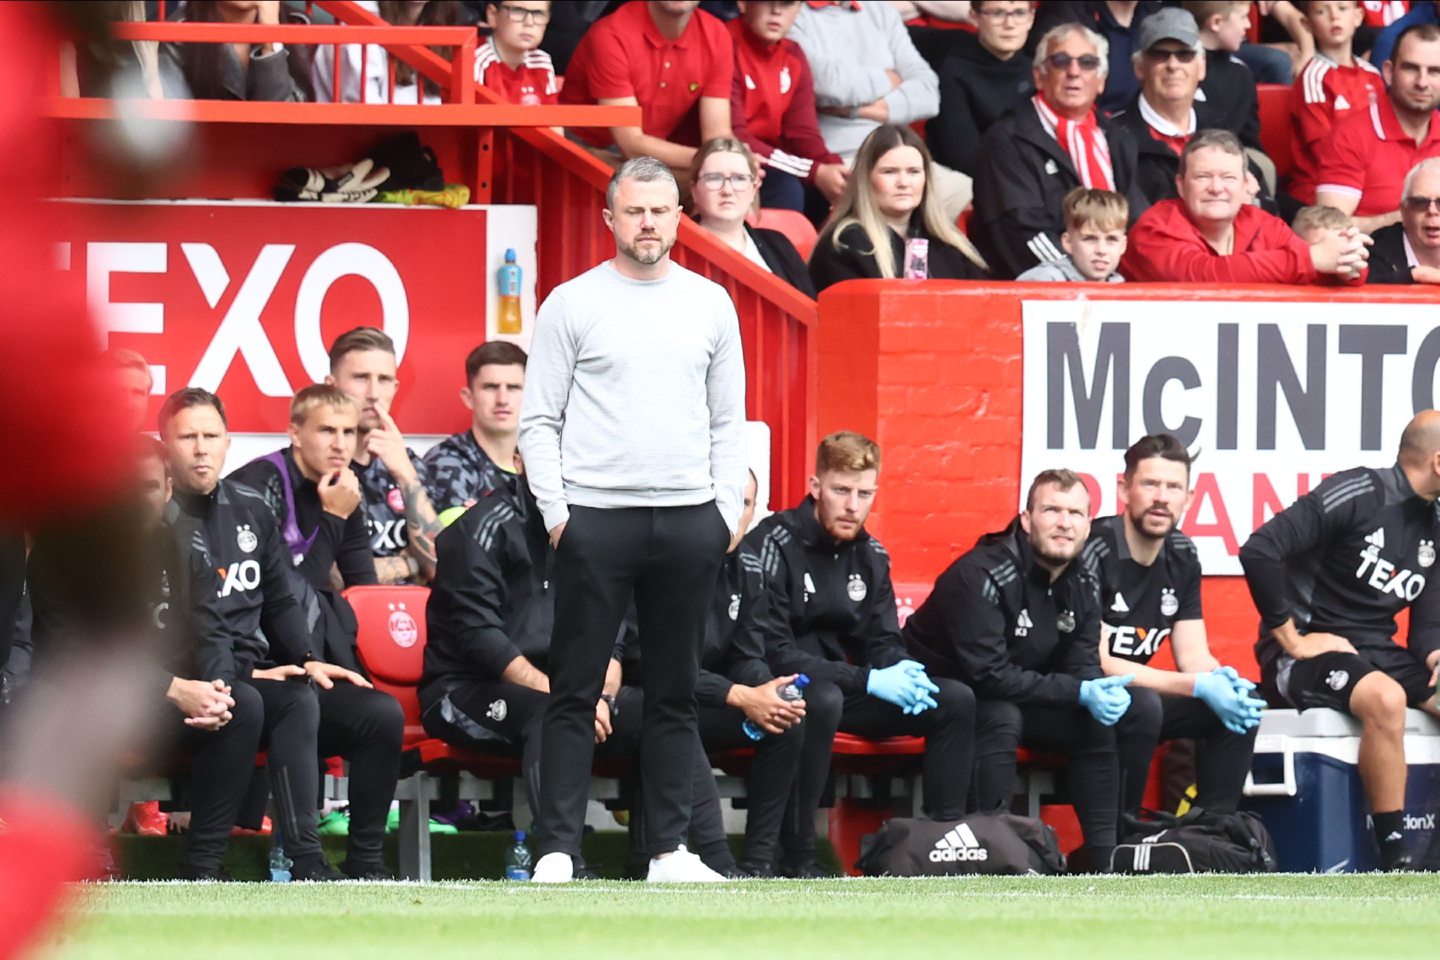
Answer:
(932, 372)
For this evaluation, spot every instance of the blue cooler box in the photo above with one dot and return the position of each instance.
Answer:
(1305, 786)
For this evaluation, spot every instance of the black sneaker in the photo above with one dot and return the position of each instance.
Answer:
(315, 869)
(756, 871)
(203, 874)
(805, 871)
(366, 871)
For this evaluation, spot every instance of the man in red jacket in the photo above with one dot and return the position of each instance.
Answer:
(1211, 235)
(772, 107)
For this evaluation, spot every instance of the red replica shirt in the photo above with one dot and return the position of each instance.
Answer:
(1382, 13)
(531, 84)
(1166, 247)
(772, 103)
(1325, 93)
(1367, 156)
(626, 55)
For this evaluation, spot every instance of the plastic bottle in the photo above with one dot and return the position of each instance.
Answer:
(507, 279)
(517, 860)
(279, 863)
(917, 259)
(791, 692)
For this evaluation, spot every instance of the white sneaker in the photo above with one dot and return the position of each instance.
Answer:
(682, 866)
(554, 868)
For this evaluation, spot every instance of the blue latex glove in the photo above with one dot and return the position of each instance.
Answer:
(893, 684)
(1221, 691)
(921, 688)
(1106, 698)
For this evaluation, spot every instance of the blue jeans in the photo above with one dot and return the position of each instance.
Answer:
(1266, 63)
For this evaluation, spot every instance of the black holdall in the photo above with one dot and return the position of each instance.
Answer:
(993, 843)
(1198, 842)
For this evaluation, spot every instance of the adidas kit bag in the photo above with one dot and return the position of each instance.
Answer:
(1198, 842)
(997, 843)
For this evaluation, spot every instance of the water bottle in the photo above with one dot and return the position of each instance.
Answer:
(507, 278)
(795, 690)
(279, 863)
(917, 259)
(517, 861)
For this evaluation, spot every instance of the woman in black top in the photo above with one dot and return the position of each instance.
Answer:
(887, 204)
(227, 71)
(723, 185)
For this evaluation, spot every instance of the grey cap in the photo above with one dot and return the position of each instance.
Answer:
(1169, 23)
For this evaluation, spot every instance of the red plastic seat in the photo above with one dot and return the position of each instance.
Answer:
(1275, 130)
(793, 224)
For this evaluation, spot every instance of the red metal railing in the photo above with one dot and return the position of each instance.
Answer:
(505, 154)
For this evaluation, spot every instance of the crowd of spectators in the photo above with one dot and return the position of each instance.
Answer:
(1019, 103)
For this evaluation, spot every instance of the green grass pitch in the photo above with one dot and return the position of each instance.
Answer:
(1062, 918)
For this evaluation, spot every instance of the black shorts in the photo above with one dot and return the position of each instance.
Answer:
(1329, 679)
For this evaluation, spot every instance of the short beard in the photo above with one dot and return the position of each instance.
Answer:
(1139, 526)
(646, 259)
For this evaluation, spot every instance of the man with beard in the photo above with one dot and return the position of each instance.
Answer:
(1149, 576)
(1364, 160)
(396, 508)
(828, 611)
(635, 362)
(1017, 619)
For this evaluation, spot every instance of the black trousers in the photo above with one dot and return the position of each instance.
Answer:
(770, 780)
(1222, 758)
(222, 763)
(367, 728)
(493, 716)
(1002, 727)
(948, 729)
(289, 739)
(668, 559)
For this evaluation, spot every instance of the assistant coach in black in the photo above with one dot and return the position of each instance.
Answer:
(1017, 619)
(829, 613)
(736, 686)
(1149, 577)
(1328, 575)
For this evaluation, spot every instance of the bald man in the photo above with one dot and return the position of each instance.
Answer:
(1328, 575)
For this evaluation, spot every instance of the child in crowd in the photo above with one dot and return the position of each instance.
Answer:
(1312, 224)
(510, 62)
(1094, 238)
(1332, 84)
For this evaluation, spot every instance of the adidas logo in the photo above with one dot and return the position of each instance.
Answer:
(1341, 103)
(1377, 539)
(957, 845)
(1119, 606)
(1023, 624)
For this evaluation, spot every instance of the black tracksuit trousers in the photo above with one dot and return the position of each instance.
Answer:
(1222, 758)
(668, 558)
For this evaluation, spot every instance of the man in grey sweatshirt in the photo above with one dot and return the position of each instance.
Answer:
(632, 436)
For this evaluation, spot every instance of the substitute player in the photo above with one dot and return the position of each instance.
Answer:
(1328, 575)
(397, 510)
(1149, 577)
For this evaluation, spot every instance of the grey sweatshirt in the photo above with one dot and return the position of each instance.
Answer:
(849, 51)
(1061, 271)
(635, 396)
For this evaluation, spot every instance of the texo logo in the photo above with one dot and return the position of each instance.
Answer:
(241, 576)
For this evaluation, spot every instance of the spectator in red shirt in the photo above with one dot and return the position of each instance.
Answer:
(1209, 234)
(1334, 84)
(511, 62)
(1366, 157)
(772, 107)
(674, 61)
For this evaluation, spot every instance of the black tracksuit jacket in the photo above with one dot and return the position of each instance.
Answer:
(996, 622)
